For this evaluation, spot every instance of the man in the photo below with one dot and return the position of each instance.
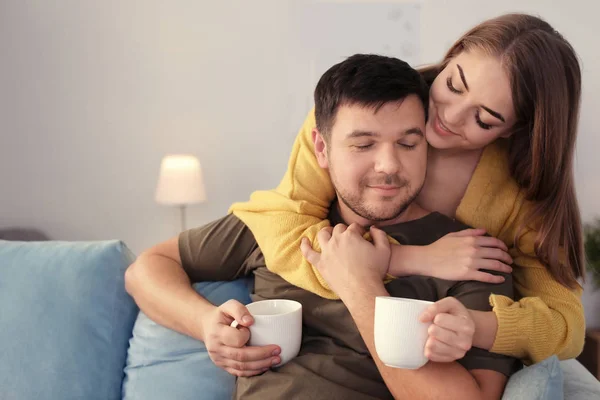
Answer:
(370, 122)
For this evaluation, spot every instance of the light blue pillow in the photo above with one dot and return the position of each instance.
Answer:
(65, 319)
(163, 364)
(541, 381)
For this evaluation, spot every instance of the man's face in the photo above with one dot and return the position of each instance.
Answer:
(377, 160)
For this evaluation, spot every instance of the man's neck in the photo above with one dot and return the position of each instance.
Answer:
(412, 212)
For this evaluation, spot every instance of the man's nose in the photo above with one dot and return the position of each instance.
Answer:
(387, 161)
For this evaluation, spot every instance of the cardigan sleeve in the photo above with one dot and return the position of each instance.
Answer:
(297, 208)
(548, 317)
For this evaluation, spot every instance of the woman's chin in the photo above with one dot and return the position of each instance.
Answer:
(436, 141)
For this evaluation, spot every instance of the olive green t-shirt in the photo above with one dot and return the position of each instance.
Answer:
(334, 362)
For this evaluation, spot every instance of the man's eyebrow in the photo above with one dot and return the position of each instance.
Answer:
(494, 113)
(462, 76)
(414, 131)
(358, 134)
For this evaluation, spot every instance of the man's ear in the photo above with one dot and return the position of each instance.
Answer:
(320, 148)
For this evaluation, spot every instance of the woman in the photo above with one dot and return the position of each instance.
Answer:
(503, 115)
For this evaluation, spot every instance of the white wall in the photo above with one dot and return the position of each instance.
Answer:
(94, 93)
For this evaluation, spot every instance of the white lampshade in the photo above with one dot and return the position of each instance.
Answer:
(180, 181)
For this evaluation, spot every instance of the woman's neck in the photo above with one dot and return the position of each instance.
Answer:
(460, 156)
(448, 175)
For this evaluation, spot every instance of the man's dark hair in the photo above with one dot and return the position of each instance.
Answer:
(368, 80)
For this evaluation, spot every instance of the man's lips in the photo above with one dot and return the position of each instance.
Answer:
(385, 189)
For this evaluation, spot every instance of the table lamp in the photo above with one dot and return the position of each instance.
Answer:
(180, 183)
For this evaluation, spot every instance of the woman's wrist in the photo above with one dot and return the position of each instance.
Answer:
(405, 260)
(486, 327)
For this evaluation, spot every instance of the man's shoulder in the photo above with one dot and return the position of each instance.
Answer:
(447, 223)
(227, 223)
(219, 233)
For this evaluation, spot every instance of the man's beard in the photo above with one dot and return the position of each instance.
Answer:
(359, 206)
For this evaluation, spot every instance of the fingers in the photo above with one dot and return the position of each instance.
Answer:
(239, 373)
(443, 335)
(324, 236)
(380, 238)
(468, 232)
(357, 229)
(226, 349)
(441, 352)
(248, 358)
(493, 265)
(338, 229)
(448, 305)
(247, 361)
(238, 312)
(308, 253)
(500, 256)
(234, 337)
(450, 335)
(484, 277)
(328, 229)
(488, 241)
(453, 330)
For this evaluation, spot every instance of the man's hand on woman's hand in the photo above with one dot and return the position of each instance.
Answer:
(347, 260)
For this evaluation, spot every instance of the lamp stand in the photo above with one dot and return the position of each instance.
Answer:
(182, 215)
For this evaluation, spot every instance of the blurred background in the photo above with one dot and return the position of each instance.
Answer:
(93, 94)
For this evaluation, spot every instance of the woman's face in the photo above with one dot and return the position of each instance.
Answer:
(470, 103)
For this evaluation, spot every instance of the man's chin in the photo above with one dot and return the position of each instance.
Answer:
(383, 214)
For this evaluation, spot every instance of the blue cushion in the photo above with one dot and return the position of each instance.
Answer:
(543, 380)
(163, 364)
(579, 383)
(65, 319)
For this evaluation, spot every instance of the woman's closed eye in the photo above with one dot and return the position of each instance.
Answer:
(482, 124)
(451, 86)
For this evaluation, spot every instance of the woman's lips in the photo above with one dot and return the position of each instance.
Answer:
(440, 128)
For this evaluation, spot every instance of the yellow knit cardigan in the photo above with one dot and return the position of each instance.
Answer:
(548, 319)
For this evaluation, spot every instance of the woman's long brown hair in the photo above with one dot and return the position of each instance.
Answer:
(546, 87)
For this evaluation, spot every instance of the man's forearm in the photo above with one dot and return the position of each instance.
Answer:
(164, 293)
(432, 381)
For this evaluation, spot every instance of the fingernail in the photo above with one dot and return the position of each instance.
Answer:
(275, 361)
(276, 352)
(246, 319)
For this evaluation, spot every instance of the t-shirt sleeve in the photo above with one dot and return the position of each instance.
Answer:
(218, 251)
(475, 296)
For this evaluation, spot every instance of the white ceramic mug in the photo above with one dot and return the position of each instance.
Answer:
(399, 335)
(278, 322)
